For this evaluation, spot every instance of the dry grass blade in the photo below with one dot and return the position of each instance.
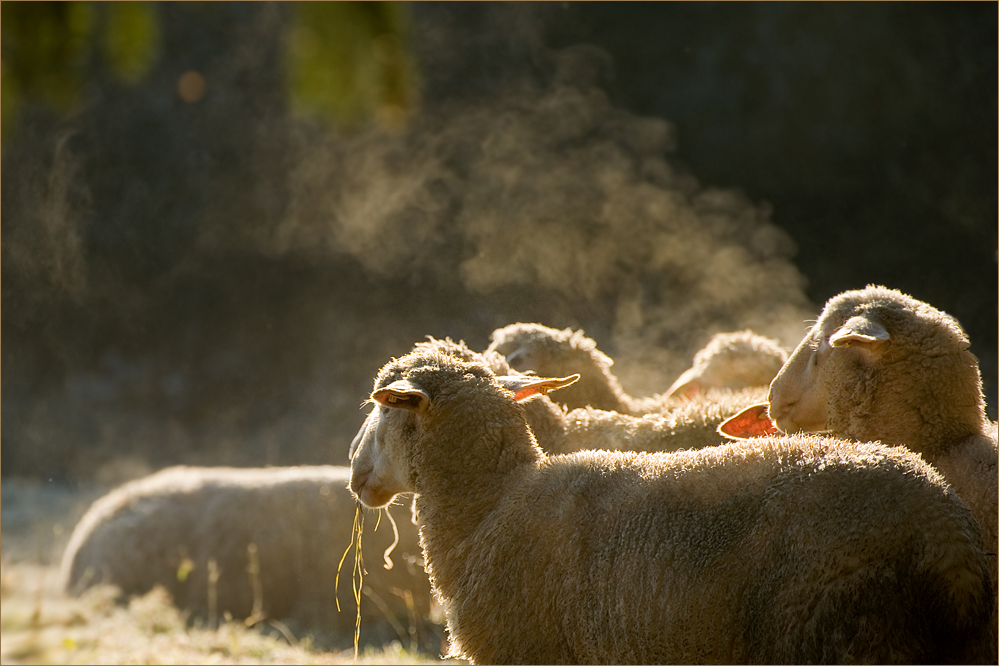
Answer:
(395, 542)
(357, 574)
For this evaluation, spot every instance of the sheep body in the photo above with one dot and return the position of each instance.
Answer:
(689, 423)
(795, 549)
(879, 365)
(163, 530)
(742, 360)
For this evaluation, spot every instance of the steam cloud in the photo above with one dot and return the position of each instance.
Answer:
(558, 192)
(176, 308)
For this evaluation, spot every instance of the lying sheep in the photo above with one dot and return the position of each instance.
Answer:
(739, 360)
(263, 543)
(794, 549)
(879, 365)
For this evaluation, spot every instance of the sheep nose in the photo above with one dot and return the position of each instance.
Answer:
(357, 481)
(778, 411)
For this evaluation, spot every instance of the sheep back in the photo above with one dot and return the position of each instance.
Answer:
(787, 551)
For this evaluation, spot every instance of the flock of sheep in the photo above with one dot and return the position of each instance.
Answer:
(853, 519)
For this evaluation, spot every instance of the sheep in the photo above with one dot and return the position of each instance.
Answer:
(730, 361)
(879, 365)
(547, 420)
(738, 360)
(254, 543)
(551, 352)
(793, 549)
(692, 423)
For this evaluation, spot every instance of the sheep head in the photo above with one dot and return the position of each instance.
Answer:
(880, 365)
(408, 413)
(537, 348)
(731, 361)
(554, 353)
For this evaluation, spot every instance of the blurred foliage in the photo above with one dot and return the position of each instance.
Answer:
(50, 49)
(43, 48)
(129, 38)
(348, 61)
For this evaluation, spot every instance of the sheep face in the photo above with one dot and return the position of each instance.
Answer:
(377, 455)
(874, 357)
(400, 428)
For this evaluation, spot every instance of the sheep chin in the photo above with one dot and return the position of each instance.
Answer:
(374, 497)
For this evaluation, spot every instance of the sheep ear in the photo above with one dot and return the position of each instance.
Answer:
(686, 385)
(753, 421)
(524, 386)
(860, 332)
(402, 394)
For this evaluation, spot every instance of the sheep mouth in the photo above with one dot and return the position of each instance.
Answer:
(372, 496)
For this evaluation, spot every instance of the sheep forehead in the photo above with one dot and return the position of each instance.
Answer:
(523, 331)
(431, 370)
(552, 344)
(732, 347)
(448, 346)
(509, 338)
(402, 367)
(919, 323)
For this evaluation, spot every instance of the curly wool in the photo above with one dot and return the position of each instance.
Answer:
(795, 549)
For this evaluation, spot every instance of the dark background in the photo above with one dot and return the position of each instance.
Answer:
(216, 281)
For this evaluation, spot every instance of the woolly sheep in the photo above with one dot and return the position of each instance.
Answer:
(879, 365)
(730, 361)
(547, 420)
(738, 360)
(692, 423)
(551, 352)
(165, 528)
(793, 549)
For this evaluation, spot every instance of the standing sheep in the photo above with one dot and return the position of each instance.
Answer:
(879, 365)
(275, 536)
(796, 549)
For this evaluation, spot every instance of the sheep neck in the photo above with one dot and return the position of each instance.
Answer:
(462, 476)
(930, 416)
(601, 391)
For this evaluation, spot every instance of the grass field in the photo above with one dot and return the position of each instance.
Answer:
(40, 625)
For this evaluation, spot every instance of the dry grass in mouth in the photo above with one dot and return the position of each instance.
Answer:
(357, 572)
